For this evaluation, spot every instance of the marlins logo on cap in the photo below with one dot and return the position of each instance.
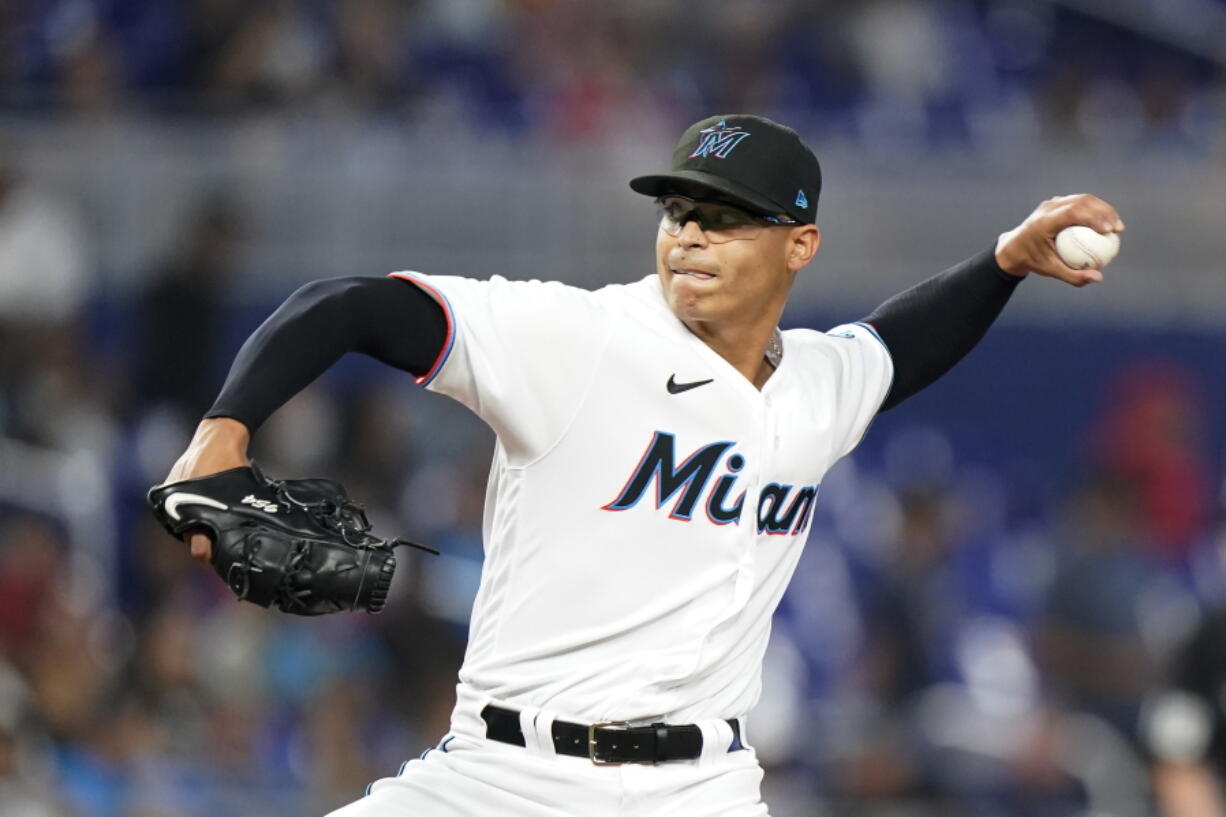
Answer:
(718, 140)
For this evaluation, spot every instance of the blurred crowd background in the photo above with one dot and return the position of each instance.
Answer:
(999, 583)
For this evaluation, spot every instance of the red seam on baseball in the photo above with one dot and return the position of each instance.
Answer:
(1093, 256)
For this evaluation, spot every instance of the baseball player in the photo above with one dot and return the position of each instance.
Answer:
(660, 448)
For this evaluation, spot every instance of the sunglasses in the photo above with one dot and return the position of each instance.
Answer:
(720, 222)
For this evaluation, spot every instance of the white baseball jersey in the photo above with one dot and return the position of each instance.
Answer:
(646, 504)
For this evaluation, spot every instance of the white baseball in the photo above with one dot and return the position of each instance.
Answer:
(1084, 248)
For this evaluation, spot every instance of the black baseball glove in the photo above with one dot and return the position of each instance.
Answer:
(300, 545)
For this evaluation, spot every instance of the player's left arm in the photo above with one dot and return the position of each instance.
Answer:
(931, 326)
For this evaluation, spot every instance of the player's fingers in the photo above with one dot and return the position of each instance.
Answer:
(1048, 262)
(1076, 277)
(201, 547)
(1111, 217)
(1091, 211)
(1098, 215)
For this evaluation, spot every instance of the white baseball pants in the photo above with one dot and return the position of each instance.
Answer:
(467, 775)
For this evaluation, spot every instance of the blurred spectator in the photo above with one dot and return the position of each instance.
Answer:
(907, 622)
(33, 554)
(1091, 640)
(156, 572)
(48, 393)
(45, 261)
(1184, 722)
(380, 440)
(246, 56)
(905, 630)
(59, 397)
(900, 47)
(304, 437)
(89, 80)
(180, 316)
(1185, 726)
(23, 790)
(166, 686)
(370, 69)
(1152, 436)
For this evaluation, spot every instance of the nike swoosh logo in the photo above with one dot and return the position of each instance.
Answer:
(676, 388)
(176, 499)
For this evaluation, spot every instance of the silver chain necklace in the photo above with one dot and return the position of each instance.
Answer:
(774, 349)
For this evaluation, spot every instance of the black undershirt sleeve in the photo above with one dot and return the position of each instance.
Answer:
(388, 319)
(397, 323)
(934, 324)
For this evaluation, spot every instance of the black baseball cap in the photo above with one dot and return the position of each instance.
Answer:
(747, 160)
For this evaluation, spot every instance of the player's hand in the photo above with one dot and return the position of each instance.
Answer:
(1031, 246)
(219, 444)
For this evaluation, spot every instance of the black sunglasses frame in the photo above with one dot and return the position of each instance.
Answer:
(764, 220)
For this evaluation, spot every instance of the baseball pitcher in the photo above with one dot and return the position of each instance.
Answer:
(660, 449)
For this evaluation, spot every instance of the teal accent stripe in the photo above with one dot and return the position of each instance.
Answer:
(888, 388)
(872, 329)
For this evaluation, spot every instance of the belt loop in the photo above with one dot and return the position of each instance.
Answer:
(544, 733)
(662, 747)
(527, 725)
(740, 733)
(716, 738)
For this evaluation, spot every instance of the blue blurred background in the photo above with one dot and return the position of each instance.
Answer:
(995, 581)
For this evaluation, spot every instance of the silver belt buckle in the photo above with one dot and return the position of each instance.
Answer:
(591, 741)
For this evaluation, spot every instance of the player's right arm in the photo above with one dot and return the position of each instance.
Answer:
(388, 319)
(934, 324)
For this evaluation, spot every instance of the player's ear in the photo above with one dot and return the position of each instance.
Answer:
(803, 245)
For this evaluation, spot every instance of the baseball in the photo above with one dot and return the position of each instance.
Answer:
(1084, 248)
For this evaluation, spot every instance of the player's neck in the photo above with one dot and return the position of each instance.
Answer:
(742, 346)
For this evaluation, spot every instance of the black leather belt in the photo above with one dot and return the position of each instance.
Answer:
(611, 743)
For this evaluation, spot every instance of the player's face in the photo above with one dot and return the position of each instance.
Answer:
(727, 268)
